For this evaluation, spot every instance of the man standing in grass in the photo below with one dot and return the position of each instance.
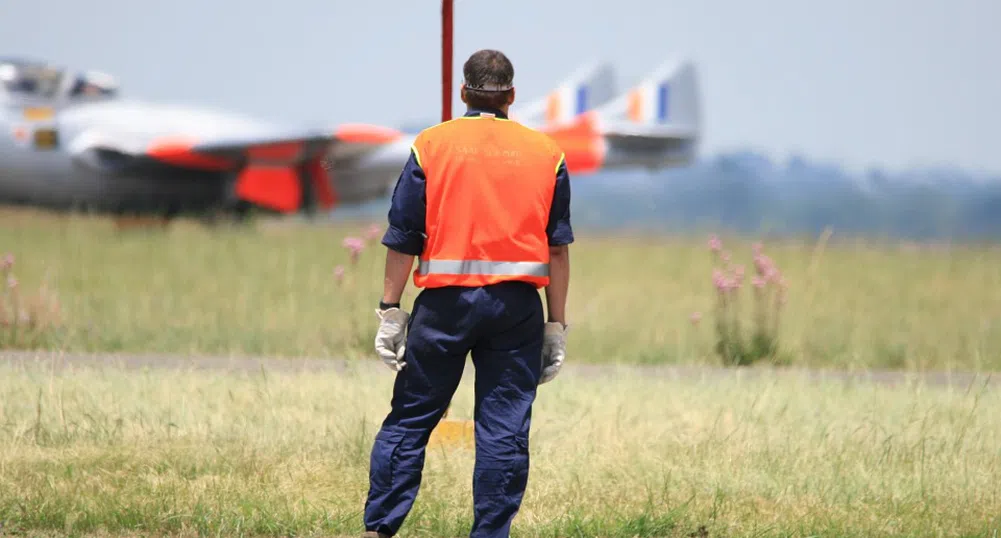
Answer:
(485, 203)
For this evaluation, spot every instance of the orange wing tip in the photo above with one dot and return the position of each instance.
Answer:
(367, 134)
(179, 151)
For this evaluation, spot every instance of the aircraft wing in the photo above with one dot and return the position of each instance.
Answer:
(269, 169)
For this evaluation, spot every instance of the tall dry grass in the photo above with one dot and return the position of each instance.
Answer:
(284, 453)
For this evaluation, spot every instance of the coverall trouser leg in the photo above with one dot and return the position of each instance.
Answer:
(501, 326)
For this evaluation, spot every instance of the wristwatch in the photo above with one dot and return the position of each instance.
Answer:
(387, 306)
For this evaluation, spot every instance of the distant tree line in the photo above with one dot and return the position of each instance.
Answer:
(748, 193)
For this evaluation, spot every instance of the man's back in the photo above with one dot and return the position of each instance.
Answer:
(489, 190)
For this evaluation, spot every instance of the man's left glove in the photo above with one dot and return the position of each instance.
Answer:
(391, 339)
(554, 350)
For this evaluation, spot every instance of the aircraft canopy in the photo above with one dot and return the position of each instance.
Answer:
(40, 81)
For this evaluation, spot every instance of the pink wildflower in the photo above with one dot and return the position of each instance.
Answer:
(8, 262)
(696, 317)
(355, 246)
(719, 280)
(715, 244)
(758, 282)
(373, 232)
(762, 263)
(353, 243)
(339, 273)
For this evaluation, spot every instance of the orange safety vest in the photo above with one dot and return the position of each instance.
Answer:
(489, 187)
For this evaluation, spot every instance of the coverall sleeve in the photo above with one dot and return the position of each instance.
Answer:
(559, 230)
(405, 233)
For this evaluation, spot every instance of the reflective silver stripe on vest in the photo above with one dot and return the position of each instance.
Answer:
(479, 267)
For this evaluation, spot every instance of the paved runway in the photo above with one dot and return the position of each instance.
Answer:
(61, 361)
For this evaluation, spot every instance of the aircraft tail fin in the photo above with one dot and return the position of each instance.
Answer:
(667, 97)
(589, 87)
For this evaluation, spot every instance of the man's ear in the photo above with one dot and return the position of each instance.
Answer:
(510, 97)
(462, 93)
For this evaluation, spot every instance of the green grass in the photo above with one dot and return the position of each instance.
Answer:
(111, 452)
(270, 290)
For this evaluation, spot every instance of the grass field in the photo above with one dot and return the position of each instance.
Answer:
(272, 290)
(110, 452)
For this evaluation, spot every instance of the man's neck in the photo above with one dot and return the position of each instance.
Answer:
(499, 112)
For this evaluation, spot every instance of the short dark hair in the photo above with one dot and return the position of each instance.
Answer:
(487, 67)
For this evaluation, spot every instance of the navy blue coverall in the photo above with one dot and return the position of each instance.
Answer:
(501, 326)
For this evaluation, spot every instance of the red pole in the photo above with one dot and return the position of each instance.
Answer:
(446, 60)
(446, 74)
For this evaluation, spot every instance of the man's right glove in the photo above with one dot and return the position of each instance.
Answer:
(391, 339)
(554, 350)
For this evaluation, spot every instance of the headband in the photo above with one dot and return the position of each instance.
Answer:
(488, 87)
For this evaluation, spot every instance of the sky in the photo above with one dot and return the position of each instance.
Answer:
(863, 83)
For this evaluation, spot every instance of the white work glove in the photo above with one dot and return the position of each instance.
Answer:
(554, 350)
(391, 339)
